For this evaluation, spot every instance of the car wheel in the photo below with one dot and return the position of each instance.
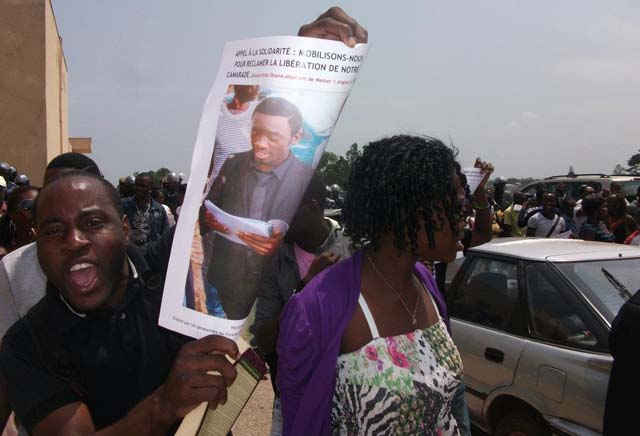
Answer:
(522, 423)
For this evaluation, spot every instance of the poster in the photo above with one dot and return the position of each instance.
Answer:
(265, 125)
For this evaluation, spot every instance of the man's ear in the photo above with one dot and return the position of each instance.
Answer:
(126, 227)
(295, 138)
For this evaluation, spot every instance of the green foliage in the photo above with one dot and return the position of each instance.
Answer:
(619, 170)
(156, 175)
(633, 165)
(353, 153)
(337, 172)
(335, 169)
(162, 172)
(522, 181)
(328, 158)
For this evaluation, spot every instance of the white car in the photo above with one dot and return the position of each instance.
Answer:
(531, 318)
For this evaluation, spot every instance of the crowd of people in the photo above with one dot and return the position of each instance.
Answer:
(151, 209)
(604, 216)
(350, 315)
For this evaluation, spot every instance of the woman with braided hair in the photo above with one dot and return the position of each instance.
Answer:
(16, 225)
(365, 348)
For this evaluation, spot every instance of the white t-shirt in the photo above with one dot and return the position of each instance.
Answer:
(578, 216)
(542, 225)
(22, 285)
(233, 134)
(170, 218)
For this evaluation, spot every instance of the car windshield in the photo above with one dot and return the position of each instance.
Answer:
(606, 283)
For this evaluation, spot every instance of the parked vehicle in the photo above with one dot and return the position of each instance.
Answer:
(573, 183)
(531, 319)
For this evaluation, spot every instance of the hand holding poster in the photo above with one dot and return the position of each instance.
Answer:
(265, 125)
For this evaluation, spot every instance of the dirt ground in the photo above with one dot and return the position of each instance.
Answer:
(255, 419)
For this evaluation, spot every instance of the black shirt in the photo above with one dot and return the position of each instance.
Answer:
(624, 343)
(110, 360)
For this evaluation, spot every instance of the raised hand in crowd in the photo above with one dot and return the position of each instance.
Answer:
(486, 168)
(320, 263)
(481, 232)
(337, 25)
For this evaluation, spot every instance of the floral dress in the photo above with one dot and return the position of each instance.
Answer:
(398, 385)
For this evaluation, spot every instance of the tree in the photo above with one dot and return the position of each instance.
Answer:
(520, 181)
(335, 169)
(619, 170)
(328, 158)
(634, 163)
(156, 176)
(353, 153)
(337, 172)
(161, 174)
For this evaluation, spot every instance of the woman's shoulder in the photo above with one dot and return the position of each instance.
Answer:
(335, 282)
(321, 308)
(429, 282)
(423, 273)
(427, 279)
(535, 217)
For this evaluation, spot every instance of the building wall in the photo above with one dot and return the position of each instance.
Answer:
(55, 88)
(22, 78)
(33, 87)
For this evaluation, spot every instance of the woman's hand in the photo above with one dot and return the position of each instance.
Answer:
(486, 168)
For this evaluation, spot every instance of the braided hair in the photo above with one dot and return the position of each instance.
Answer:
(401, 184)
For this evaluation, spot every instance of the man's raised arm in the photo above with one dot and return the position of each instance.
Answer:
(337, 25)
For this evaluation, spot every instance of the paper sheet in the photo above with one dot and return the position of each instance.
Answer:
(474, 177)
(237, 224)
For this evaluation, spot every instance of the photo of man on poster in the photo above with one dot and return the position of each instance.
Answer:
(265, 183)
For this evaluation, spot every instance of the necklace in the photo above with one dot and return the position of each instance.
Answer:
(145, 211)
(415, 309)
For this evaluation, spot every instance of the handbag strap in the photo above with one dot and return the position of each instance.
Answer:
(553, 227)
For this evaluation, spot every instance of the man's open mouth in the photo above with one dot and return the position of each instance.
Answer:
(82, 275)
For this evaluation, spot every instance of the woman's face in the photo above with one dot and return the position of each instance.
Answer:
(603, 212)
(22, 216)
(616, 206)
(447, 241)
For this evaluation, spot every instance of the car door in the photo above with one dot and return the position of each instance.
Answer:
(485, 306)
(565, 367)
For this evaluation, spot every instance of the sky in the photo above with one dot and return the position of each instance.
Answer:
(531, 86)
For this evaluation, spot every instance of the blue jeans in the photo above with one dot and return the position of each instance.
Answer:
(276, 417)
(213, 301)
(460, 412)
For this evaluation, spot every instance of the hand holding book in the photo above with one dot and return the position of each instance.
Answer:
(201, 372)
